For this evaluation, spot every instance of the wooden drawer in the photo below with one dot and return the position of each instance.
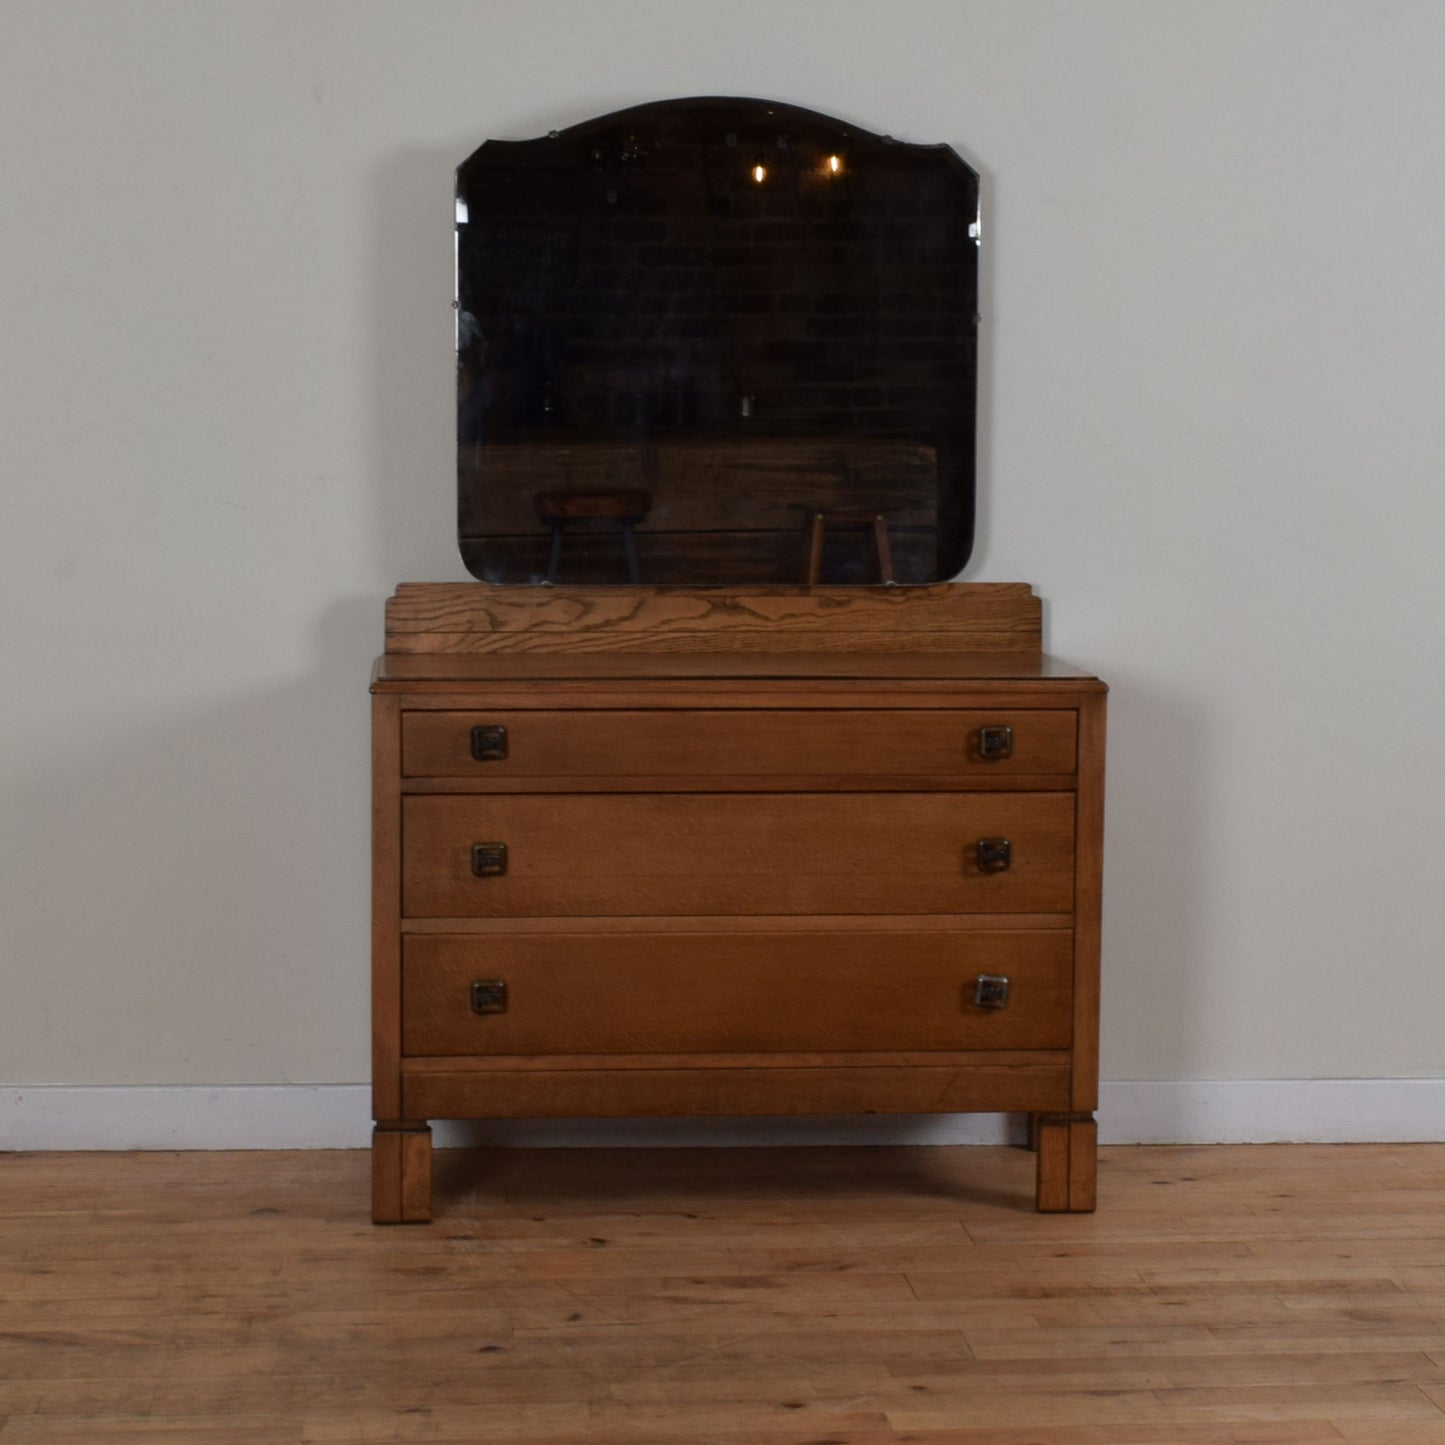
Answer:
(685, 993)
(635, 855)
(726, 744)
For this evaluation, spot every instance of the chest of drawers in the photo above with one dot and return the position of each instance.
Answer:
(641, 852)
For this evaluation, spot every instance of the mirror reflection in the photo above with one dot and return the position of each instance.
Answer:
(712, 342)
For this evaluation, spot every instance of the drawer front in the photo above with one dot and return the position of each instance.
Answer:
(635, 855)
(748, 993)
(725, 744)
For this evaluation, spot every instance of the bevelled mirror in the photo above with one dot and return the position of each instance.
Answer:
(716, 342)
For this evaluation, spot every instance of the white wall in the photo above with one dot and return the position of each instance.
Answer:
(1213, 440)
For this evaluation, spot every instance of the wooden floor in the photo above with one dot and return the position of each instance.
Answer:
(743, 1297)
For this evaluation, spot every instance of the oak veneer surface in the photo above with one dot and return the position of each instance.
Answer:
(724, 742)
(463, 617)
(1023, 671)
(659, 993)
(700, 1089)
(1290, 1295)
(736, 853)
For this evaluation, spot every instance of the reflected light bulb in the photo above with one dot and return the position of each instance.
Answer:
(834, 165)
(760, 172)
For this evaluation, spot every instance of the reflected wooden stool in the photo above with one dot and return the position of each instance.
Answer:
(624, 506)
(816, 522)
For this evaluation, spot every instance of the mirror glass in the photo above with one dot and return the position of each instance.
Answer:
(716, 342)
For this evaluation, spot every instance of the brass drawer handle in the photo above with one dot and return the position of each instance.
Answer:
(995, 742)
(489, 860)
(990, 990)
(489, 996)
(489, 743)
(995, 855)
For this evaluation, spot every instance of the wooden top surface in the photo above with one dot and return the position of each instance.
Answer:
(444, 634)
(474, 618)
(397, 672)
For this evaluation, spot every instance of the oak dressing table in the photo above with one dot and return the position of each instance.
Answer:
(735, 851)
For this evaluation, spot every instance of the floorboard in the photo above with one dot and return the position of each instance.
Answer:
(1221, 1296)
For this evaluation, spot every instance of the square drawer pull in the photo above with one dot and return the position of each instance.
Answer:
(990, 990)
(489, 860)
(489, 996)
(489, 743)
(994, 855)
(995, 742)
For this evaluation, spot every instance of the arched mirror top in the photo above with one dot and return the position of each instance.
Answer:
(716, 342)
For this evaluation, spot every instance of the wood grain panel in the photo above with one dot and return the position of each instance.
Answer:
(385, 907)
(707, 853)
(894, 924)
(1089, 893)
(814, 1059)
(654, 1093)
(474, 617)
(735, 679)
(1068, 1146)
(686, 993)
(401, 1173)
(729, 743)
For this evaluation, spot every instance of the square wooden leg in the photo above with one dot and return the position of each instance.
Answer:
(401, 1174)
(1068, 1149)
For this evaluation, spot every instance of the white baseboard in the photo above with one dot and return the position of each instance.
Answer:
(336, 1116)
(236, 1116)
(1273, 1111)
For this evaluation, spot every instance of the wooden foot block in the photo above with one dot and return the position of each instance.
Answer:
(401, 1174)
(1068, 1149)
